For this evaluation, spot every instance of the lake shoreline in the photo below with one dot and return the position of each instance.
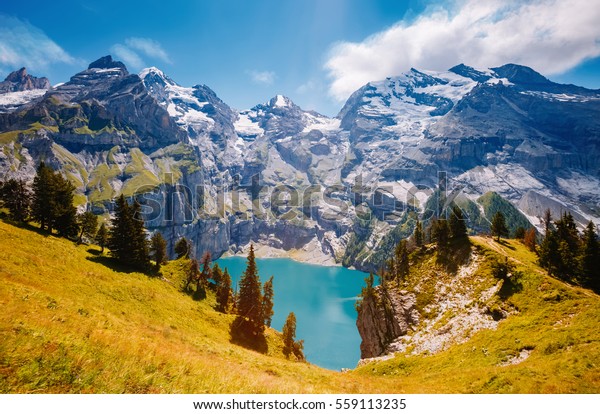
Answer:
(311, 253)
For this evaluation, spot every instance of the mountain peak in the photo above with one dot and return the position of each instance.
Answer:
(19, 80)
(470, 72)
(152, 71)
(280, 101)
(519, 74)
(107, 62)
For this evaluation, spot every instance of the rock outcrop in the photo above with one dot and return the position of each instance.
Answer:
(383, 317)
(20, 80)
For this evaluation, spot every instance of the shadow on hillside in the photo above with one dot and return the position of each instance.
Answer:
(111, 263)
(26, 226)
(241, 334)
(510, 287)
(456, 255)
(506, 244)
(95, 252)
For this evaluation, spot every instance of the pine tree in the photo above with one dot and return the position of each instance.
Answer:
(102, 237)
(88, 225)
(224, 293)
(290, 345)
(138, 242)
(250, 298)
(418, 234)
(16, 196)
(64, 212)
(183, 248)
(402, 266)
(158, 249)
(547, 220)
(192, 274)
(368, 291)
(440, 232)
(205, 275)
(267, 302)
(589, 260)
(548, 253)
(457, 224)
(43, 197)
(217, 275)
(499, 228)
(120, 230)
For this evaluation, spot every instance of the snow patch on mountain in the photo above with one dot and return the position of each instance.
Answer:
(11, 100)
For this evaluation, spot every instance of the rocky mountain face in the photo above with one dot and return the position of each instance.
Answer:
(326, 189)
(20, 80)
(20, 88)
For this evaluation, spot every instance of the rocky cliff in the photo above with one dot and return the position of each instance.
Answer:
(384, 317)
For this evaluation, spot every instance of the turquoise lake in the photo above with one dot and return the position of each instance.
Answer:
(322, 297)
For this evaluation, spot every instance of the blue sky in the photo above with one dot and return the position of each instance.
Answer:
(314, 51)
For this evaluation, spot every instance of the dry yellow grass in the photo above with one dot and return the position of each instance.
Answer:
(69, 324)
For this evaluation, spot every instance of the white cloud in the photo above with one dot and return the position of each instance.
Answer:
(265, 77)
(22, 44)
(148, 47)
(551, 36)
(134, 50)
(127, 56)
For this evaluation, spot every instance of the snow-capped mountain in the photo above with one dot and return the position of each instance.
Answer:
(508, 130)
(20, 88)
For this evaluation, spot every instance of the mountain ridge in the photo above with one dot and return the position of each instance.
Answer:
(486, 130)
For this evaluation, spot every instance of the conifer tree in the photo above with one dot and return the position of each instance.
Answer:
(127, 236)
(43, 197)
(457, 224)
(441, 234)
(250, 298)
(548, 253)
(64, 212)
(402, 266)
(547, 220)
(224, 293)
(102, 237)
(183, 248)
(16, 196)
(267, 302)
(418, 234)
(88, 225)
(368, 291)
(139, 243)
(120, 230)
(158, 250)
(499, 228)
(589, 260)
(193, 274)
(290, 345)
(205, 275)
(217, 275)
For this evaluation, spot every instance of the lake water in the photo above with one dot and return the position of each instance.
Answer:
(321, 297)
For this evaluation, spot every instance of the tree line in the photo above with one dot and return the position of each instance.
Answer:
(49, 202)
(569, 255)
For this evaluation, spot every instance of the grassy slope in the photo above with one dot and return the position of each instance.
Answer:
(71, 324)
(556, 322)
